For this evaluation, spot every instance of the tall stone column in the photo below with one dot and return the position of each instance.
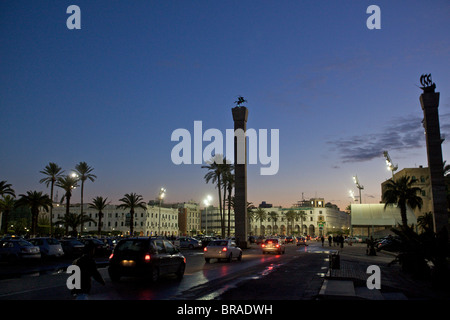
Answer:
(429, 101)
(240, 115)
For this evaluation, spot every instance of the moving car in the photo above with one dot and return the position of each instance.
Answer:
(13, 250)
(190, 243)
(301, 241)
(49, 247)
(273, 245)
(145, 257)
(222, 249)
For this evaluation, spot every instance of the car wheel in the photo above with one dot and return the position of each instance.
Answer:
(180, 272)
(240, 257)
(207, 260)
(230, 257)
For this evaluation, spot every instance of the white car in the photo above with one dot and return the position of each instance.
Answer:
(49, 247)
(222, 249)
(353, 240)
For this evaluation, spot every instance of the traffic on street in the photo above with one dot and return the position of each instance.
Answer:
(199, 273)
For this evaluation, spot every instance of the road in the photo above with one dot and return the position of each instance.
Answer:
(201, 280)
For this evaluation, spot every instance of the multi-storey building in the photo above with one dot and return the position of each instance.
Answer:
(189, 220)
(154, 220)
(421, 176)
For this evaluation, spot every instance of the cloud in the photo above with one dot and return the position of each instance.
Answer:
(402, 133)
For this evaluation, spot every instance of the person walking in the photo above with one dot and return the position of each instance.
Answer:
(330, 239)
(323, 240)
(88, 270)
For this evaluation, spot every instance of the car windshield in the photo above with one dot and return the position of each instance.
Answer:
(271, 241)
(218, 243)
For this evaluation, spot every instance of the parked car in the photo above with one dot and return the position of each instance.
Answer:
(273, 245)
(101, 248)
(49, 247)
(72, 247)
(14, 250)
(353, 240)
(391, 244)
(145, 257)
(222, 249)
(290, 239)
(190, 243)
(110, 242)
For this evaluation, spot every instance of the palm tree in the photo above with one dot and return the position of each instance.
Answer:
(73, 220)
(52, 171)
(426, 222)
(446, 168)
(34, 200)
(5, 188)
(228, 184)
(99, 204)
(261, 215)
(290, 216)
(216, 167)
(132, 201)
(7, 204)
(402, 193)
(273, 215)
(302, 216)
(67, 183)
(84, 172)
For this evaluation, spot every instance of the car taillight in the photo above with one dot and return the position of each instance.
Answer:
(205, 249)
(147, 258)
(224, 249)
(263, 245)
(111, 256)
(277, 246)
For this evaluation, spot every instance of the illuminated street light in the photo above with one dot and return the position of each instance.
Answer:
(352, 194)
(389, 163)
(360, 187)
(207, 202)
(162, 193)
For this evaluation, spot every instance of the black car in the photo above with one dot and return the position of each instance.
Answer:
(101, 248)
(146, 257)
(72, 247)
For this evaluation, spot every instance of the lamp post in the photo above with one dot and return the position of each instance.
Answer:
(360, 187)
(389, 163)
(162, 193)
(206, 202)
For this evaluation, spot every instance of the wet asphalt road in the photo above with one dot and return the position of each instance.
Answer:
(201, 280)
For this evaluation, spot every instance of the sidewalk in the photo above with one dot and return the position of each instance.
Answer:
(293, 281)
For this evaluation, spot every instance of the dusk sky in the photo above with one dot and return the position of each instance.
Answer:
(112, 93)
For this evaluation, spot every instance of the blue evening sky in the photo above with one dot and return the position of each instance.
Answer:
(112, 93)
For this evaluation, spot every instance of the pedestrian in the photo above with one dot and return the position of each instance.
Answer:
(330, 239)
(341, 240)
(88, 269)
(323, 240)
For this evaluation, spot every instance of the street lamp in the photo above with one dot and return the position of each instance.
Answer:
(206, 202)
(389, 163)
(162, 193)
(360, 187)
